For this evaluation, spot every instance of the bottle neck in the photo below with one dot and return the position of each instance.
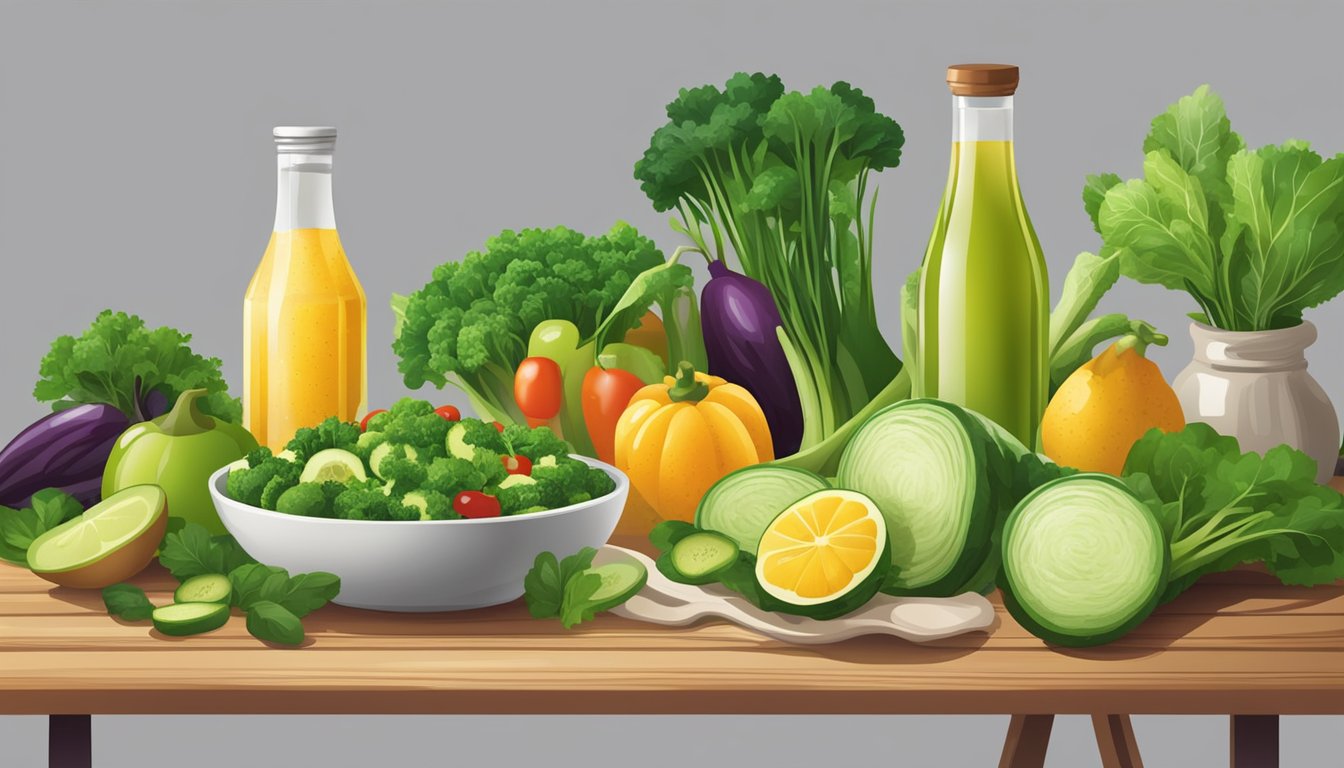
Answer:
(303, 192)
(982, 118)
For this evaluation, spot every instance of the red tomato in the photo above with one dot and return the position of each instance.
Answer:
(538, 388)
(474, 504)
(364, 422)
(517, 465)
(449, 412)
(498, 427)
(606, 392)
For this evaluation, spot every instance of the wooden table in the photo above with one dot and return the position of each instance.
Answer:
(1237, 644)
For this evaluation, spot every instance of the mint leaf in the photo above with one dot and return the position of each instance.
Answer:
(128, 602)
(19, 527)
(274, 623)
(254, 583)
(191, 552)
(54, 506)
(578, 605)
(306, 592)
(231, 554)
(543, 588)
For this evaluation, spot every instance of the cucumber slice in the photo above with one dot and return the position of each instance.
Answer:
(620, 581)
(383, 450)
(700, 557)
(181, 619)
(743, 504)
(546, 461)
(457, 443)
(206, 588)
(333, 464)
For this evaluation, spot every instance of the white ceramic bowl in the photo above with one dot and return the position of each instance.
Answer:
(435, 565)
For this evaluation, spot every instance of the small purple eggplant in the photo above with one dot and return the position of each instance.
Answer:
(739, 319)
(66, 449)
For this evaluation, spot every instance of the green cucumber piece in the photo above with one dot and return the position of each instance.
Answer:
(743, 503)
(1084, 561)
(206, 588)
(620, 581)
(456, 442)
(182, 619)
(700, 557)
(335, 464)
(383, 450)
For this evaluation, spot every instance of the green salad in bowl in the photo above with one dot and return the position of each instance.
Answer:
(415, 463)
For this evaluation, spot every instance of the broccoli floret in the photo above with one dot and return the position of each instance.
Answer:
(377, 422)
(558, 484)
(490, 466)
(517, 498)
(451, 476)
(473, 318)
(332, 433)
(402, 474)
(413, 422)
(483, 435)
(304, 499)
(247, 485)
(431, 505)
(258, 456)
(535, 443)
(285, 478)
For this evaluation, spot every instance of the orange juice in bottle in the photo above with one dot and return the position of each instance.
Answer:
(304, 331)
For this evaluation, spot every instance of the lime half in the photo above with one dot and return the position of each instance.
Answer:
(333, 464)
(112, 541)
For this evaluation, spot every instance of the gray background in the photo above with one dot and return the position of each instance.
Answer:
(137, 173)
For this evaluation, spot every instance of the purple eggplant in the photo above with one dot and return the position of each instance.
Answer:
(739, 317)
(66, 449)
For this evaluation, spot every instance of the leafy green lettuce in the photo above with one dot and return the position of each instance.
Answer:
(1254, 236)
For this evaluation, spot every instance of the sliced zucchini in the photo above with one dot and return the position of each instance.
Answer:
(621, 581)
(333, 464)
(515, 480)
(457, 442)
(206, 588)
(181, 619)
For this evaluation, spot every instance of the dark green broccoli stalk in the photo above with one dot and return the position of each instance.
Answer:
(470, 324)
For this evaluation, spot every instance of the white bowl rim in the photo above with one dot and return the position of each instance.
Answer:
(622, 483)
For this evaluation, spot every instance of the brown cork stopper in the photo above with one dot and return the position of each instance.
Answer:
(982, 79)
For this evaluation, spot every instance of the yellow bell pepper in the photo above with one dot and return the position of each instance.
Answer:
(677, 438)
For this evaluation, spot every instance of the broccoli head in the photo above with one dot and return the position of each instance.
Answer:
(413, 422)
(332, 433)
(451, 476)
(470, 324)
(432, 505)
(403, 474)
(361, 502)
(535, 443)
(305, 500)
(483, 435)
(249, 485)
(518, 498)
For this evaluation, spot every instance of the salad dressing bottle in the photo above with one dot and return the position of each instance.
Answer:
(983, 300)
(304, 331)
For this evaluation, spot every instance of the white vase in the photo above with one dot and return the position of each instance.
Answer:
(1254, 385)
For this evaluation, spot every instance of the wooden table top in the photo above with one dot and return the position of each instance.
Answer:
(1236, 643)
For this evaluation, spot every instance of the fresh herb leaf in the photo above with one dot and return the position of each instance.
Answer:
(578, 605)
(544, 586)
(231, 554)
(306, 592)
(128, 602)
(19, 527)
(543, 589)
(191, 552)
(273, 623)
(118, 361)
(254, 582)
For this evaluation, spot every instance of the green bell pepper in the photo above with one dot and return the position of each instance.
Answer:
(178, 452)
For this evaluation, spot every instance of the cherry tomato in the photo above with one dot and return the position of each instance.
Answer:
(474, 505)
(498, 427)
(449, 412)
(517, 465)
(538, 389)
(364, 422)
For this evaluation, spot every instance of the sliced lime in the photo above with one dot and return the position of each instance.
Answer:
(99, 532)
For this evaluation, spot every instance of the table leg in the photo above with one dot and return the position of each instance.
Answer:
(1254, 741)
(1115, 739)
(1026, 742)
(69, 741)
